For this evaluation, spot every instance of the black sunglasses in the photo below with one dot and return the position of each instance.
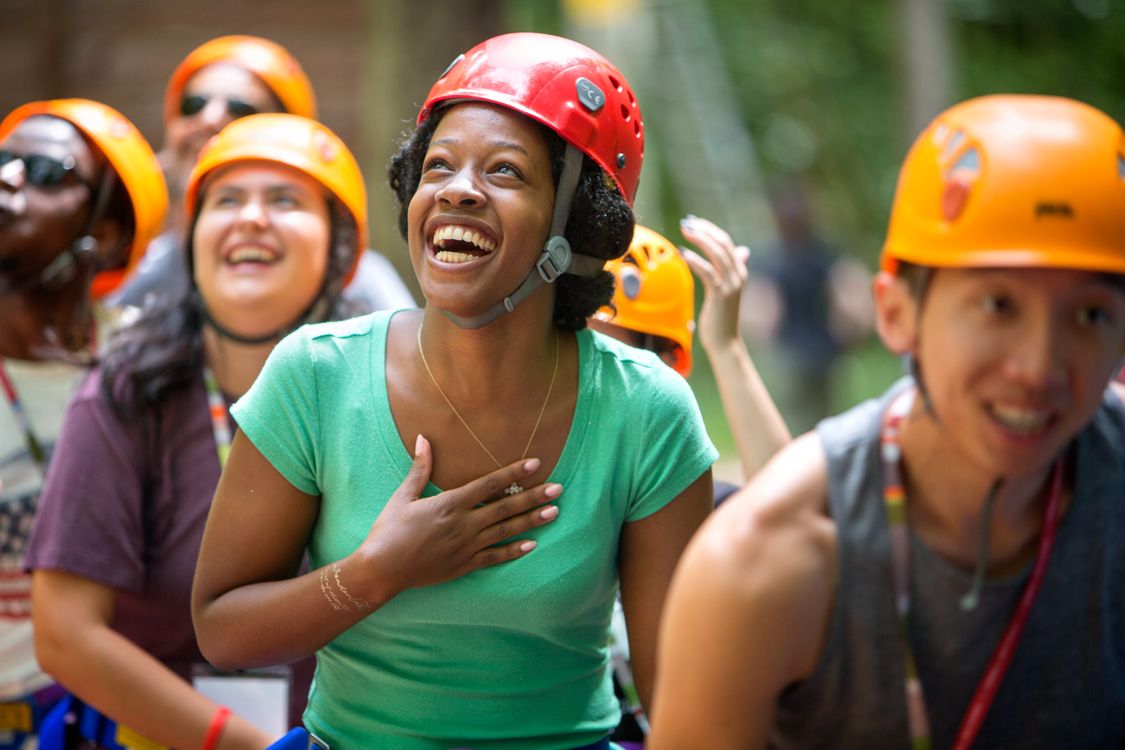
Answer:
(45, 171)
(193, 104)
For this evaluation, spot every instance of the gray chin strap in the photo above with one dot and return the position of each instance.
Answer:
(556, 258)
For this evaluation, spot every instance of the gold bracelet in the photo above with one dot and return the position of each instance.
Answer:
(327, 591)
(359, 604)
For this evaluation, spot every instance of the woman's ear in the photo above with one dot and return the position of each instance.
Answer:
(896, 312)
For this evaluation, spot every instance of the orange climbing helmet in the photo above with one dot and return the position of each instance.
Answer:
(1013, 181)
(560, 83)
(132, 160)
(296, 142)
(268, 60)
(654, 293)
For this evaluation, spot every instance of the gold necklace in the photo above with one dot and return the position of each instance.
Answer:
(513, 488)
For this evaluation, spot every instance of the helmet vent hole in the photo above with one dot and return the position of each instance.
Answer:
(615, 83)
(637, 129)
(625, 113)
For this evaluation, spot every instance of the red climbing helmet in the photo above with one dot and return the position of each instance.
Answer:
(560, 83)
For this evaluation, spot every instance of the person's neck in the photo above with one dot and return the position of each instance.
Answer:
(946, 494)
(235, 365)
(39, 325)
(489, 366)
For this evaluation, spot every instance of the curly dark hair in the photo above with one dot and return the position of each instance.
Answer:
(600, 224)
(163, 349)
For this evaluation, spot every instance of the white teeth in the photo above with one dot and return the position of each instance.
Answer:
(251, 254)
(462, 234)
(448, 256)
(1020, 420)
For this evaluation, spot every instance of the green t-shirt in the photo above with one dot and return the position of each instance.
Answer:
(511, 656)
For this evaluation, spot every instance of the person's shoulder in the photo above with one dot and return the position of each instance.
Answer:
(610, 349)
(330, 349)
(330, 338)
(845, 431)
(774, 534)
(782, 505)
(357, 327)
(90, 387)
(768, 557)
(90, 400)
(636, 368)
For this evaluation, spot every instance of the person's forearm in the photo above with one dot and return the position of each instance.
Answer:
(120, 679)
(279, 622)
(755, 422)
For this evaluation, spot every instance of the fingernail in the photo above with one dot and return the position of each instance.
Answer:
(527, 546)
(531, 465)
(549, 512)
(552, 490)
(418, 446)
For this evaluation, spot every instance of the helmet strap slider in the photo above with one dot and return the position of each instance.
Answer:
(555, 259)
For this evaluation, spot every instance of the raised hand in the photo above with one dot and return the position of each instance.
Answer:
(722, 269)
(754, 420)
(419, 541)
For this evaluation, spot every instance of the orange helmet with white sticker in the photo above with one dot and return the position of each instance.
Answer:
(654, 293)
(1013, 181)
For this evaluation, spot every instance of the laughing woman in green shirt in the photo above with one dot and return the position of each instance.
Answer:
(474, 480)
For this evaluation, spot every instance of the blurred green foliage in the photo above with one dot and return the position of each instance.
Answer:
(821, 89)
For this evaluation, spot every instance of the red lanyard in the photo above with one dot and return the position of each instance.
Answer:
(34, 446)
(894, 498)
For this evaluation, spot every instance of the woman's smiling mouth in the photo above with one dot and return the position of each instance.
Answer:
(460, 244)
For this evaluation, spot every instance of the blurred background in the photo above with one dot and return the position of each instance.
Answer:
(782, 120)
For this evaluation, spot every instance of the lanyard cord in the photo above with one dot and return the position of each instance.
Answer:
(34, 446)
(894, 498)
(220, 417)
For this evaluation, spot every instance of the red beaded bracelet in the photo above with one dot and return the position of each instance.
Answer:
(218, 721)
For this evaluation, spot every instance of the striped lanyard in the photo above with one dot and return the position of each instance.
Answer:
(34, 446)
(220, 417)
(894, 499)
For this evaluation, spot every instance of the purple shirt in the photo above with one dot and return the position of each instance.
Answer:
(125, 503)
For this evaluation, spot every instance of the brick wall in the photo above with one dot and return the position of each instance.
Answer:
(370, 61)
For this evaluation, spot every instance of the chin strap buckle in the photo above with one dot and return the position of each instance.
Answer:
(555, 259)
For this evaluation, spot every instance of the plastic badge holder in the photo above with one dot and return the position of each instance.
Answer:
(261, 696)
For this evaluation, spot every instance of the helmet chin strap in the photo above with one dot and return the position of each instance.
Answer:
(316, 311)
(556, 258)
(972, 597)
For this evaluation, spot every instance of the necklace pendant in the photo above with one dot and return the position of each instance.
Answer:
(513, 489)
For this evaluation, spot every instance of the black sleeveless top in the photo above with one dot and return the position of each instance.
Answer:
(1066, 683)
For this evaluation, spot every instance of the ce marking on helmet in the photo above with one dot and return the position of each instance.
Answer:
(589, 95)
